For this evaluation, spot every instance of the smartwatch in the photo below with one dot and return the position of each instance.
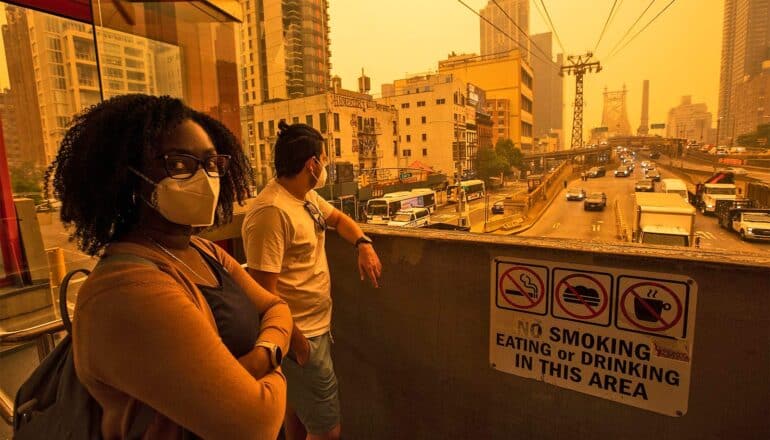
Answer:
(362, 239)
(276, 354)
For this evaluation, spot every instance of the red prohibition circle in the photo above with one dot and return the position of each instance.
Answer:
(506, 274)
(592, 313)
(666, 325)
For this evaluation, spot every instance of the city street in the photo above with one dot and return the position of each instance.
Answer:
(565, 219)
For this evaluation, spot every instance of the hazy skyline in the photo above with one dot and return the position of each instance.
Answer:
(679, 53)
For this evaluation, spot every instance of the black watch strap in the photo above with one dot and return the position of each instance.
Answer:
(362, 239)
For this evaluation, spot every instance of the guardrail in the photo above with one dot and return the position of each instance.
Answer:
(620, 224)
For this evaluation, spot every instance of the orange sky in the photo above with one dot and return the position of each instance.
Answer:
(679, 53)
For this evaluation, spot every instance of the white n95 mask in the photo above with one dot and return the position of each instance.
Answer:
(190, 201)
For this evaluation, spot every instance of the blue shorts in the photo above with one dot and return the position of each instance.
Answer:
(312, 389)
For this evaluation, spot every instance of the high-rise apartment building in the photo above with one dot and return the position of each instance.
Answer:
(745, 46)
(284, 49)
(503, 17)
(548, 102)
(689, 121)
(53, 73)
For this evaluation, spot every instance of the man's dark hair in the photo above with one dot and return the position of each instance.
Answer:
(295, 145)
(91, 174)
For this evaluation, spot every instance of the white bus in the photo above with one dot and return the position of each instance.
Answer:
(474, 189)
(380, 210)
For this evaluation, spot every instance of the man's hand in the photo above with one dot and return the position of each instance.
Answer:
(299, 348)
(369, 263)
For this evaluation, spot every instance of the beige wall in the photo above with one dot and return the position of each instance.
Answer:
(442, 120)
(347, 106)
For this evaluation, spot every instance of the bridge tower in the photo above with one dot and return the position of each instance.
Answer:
(644, 127)
(579, 66)
(614, 115)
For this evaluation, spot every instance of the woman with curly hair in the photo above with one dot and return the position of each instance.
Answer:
(168, 322)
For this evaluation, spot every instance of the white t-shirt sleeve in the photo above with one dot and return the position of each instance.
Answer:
(326, 208)
(264, 239)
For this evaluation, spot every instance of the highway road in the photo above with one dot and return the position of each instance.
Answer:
(564, 219)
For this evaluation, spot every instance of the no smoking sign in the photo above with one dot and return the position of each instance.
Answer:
(522, 288)
(582, 296)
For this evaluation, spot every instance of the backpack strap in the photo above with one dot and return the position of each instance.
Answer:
(104, 261)
(144, 414)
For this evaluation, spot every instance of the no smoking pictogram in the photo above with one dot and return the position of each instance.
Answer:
(651, 306)
(522, 288)
(582, 296)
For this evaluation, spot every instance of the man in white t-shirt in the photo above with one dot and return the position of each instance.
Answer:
(283, 236)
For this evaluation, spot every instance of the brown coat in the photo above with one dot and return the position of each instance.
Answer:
(144, 335)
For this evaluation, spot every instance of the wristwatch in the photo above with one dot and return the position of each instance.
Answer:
(362, 239)
(276, 354)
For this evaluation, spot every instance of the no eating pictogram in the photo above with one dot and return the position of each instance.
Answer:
(582, 296)
(522, 288)
(651, 306)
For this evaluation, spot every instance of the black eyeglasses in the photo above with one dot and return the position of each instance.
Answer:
(183, 166)
(316, 215)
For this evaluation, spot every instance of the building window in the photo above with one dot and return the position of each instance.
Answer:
(526, 104)
(309, 120)
(336, 122)
(395, 127)
(441, 101)
(423, 119)
(408, 121)
(424, 152)
(526, 129)
(261, 129)
(295, 120)
(409, 138)
(322, 122)
(425, 136)
(420, 103)
(405, 105)
(526, 78)
(407, 153)
(250, 126)
(501, 130)
(262, 156)
(252, 153)
(395, 148)
(270, 128)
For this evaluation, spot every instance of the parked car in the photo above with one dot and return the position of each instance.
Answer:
(655, 155)
(650, 166)
(411, 218)
(595, 201)
(622, 171)
(576, 194)
(498, 207)
(644, 185)
(645, 163)
(653, 175)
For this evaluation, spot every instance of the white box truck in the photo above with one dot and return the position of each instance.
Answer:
(663, 218)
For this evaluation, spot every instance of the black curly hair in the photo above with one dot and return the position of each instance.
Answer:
(91, 171)
(295, 145)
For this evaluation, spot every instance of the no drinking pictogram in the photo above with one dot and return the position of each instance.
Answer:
(522, 288)
(582, 296)
(652, 306)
